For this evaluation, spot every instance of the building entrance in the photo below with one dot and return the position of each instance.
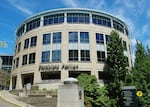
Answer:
(27, 78)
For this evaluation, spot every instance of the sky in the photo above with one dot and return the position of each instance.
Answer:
(135, 13)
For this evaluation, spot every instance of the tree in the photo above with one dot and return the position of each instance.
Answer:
(117, 66)
(96, 94)
(141, 74)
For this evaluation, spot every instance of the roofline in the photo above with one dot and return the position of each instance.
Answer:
(69, 9)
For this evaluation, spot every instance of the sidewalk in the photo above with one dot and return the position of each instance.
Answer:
(13, 99)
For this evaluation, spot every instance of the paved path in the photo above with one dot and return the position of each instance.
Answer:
(4, 103)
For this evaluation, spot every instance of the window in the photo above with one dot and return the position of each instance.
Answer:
(45, 56)
(101, 20)
(99, 38)
(107, 38)
(19, 46)
(46, 39)
(127, 32)
(125, 45)
(17, 62)
(85, 55)
(24, 61)
(20, 31)
(6, 60)
(73, 37)
(118, 26)
(56, 55)
(33, 41)
(100, 56)
(84, 37)
(105, 76)
(73, 55)
(33, 24)
(54, 19)
(78, 18)
(26, 43)
(127, 60)
(31, 58)
(57, 37)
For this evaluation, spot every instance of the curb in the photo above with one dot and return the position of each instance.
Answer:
(15, 103)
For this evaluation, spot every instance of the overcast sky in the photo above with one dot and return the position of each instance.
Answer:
(135, 13)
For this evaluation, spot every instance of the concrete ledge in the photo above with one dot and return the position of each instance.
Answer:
(12, 99)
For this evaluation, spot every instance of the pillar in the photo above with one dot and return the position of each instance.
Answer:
(19, 82)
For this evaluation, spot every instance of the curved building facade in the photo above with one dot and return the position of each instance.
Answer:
(61, 43)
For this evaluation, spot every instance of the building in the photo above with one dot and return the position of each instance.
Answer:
(4, 79)
(6, 62)
(5, 68)
(61, 43)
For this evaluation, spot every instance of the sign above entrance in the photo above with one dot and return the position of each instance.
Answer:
(47, 68)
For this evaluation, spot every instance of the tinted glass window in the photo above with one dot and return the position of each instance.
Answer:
(84, 37)
(57, 37)
(45, 56)
(99, 38)
(46, 39)
(101, 20)
(26, 43)
(33, 41)
(56, 55)
(85, 55)
(73, 55)
(31, 58)
(73, 37)
(78, 18)
(33, 24)
(100, 56)
(54, 19)
(24, 61)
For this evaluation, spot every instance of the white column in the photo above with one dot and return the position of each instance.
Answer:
(111, 22)
(64, 75)
(65, 17)
(41, 21)
(90, 18)
(19, 82)
(37, 77)
(10, 85)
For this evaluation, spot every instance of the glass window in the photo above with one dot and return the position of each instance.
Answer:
(33, 24)
(20, 31)
(99, 38)
(45, 56)
(31, 58)
(85, 55)
(100, 56)
(118, 26)
(73, 55)
(56, 55)
(54, 19)
(6, 60)
(26, 43)
(17, 62)
(46, 39)
(73, 37)
(107, 38)
(125, 45)
(78, 18)
(84, 37)
(24, 61)
(33, 41)
(57, 37)
(101, 20)
(19, 46)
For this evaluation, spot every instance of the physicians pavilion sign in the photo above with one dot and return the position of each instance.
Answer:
(48, 68)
